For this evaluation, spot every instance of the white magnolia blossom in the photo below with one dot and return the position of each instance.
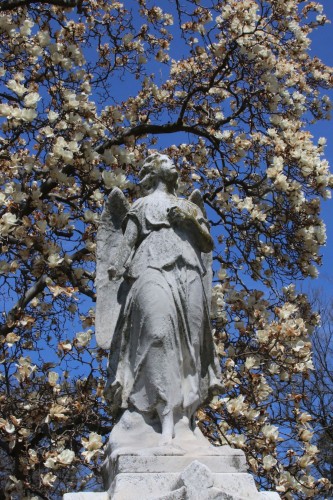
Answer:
(24, 369)
(31, 99)
(16, 87)
(269, 462)
(270, 432)
(236, 406)
(48, 479)
(114, 179)
(7, 223)
(92, 445)
(83, 338)
(251, 362)
(237, 440)
(9, 427)
(306, 435)
(54, 260)
(51, 463)
(33, 456)
(53, 378)
(52, 115)
(66, 457)
(12, 338)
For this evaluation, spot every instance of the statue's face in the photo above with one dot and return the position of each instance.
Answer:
(168, 169)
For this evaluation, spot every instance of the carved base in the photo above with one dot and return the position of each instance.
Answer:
(206, 477)
(187, 469)
(130, 477)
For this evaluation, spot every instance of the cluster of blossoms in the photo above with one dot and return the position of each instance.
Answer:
(266, 358)
(233, 112)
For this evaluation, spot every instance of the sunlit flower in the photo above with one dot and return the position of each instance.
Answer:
(269, 462)
(83, 338)
(48, 479)
(53, 378)
(66, 457)
(31, 99)
(93, 446)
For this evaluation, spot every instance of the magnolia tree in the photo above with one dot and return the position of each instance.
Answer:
(319, 388)
(229, 90)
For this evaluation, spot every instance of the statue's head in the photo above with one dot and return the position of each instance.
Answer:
(158, 167)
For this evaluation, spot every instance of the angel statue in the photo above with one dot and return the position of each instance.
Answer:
(153, 303)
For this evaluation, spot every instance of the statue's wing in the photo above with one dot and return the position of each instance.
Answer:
(196, 198)
(207, 258)
(109, 296)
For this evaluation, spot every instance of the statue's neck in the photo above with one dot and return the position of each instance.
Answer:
(164, 187)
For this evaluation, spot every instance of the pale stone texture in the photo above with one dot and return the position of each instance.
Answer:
(154, 313)
(87, 496)
(153, 282)
(144, 467)
(194, 481)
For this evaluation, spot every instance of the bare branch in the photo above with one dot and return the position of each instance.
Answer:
(14, 4)
(146, 128)
(14, 314)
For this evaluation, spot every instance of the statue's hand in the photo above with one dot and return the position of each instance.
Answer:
(177, 216)
(115, 273)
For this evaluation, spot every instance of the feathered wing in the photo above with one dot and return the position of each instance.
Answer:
(196, 198)
(207, 258)
(109, 296)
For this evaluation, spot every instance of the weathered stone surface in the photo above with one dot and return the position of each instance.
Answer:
(87, 496)
(179, 494)
(163, 363)
(269, 495)
(136, 464)
(109, 293)
(174, 458)
(229, 486)
(154, 315)
(162, 477)
(182, 477)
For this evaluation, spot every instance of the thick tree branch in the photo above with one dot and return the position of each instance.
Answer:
(22, 303)
(14, 4)
(147, 128)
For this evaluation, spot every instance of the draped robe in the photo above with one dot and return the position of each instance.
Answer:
(162, 352)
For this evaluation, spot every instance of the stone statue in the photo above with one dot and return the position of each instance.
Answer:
(153, 284)
(153, 302)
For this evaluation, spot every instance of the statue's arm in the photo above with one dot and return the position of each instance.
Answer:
(116, 270)
(199, 231)
(205, 237)
(201, 235)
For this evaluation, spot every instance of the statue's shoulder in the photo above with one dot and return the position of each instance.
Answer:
(194, 206)
(149, 200)
(139, 210)
(138, 204)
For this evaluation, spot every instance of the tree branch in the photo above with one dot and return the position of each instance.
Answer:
(14, 4)
(22, 302)
(147, 128)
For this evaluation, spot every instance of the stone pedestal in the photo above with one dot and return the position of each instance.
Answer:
(219, 476)
(186, 477)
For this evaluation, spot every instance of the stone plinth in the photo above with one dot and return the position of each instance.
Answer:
(220, 476)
